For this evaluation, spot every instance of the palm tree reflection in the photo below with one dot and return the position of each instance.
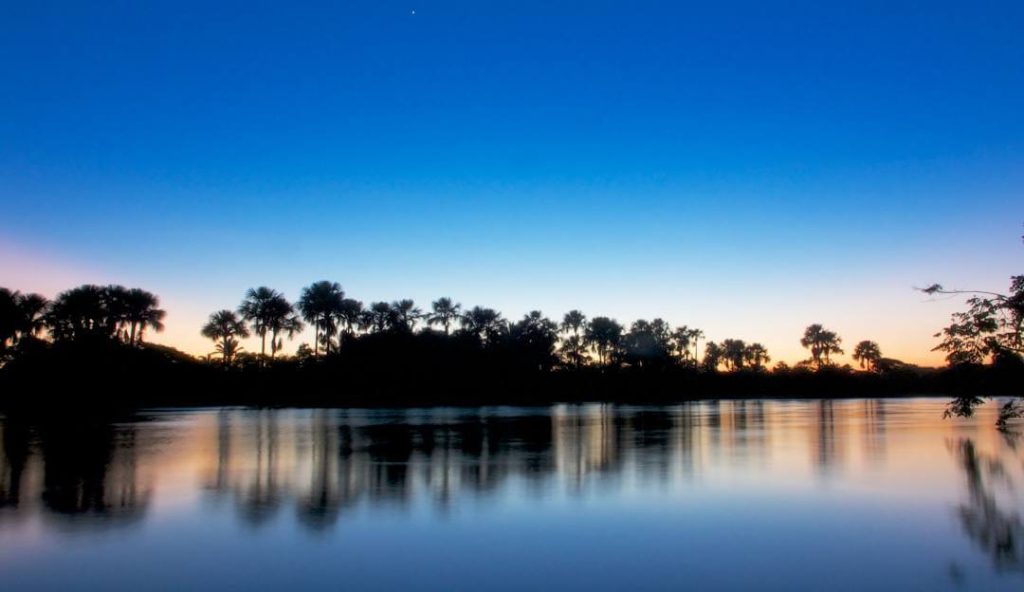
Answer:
(989, 514)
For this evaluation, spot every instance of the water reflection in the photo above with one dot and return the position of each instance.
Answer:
(82, 473)
(990, 515)
(319, 468)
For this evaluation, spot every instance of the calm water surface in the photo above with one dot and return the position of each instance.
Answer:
(804, 495)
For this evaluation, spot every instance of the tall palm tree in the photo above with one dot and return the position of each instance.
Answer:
(604, 335)
(695, 336)
(444, 313)
(378, 318)
(868, 354)
(713, 356)
(756, 356)
(733, 353)
(484, 323)
(822, 343)
(266, 311)
(281, 318)
(141, 311)
(350, 317)
(225, 328)
(405, 314)
(573, 324)
(21, 316)
(321, 306)
(681, 342)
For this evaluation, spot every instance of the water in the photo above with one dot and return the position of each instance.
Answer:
(771, 495)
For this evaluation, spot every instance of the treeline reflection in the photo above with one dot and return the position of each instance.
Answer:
(319, 463)
(81, 473)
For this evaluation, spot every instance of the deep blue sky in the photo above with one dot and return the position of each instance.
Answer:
(747, 167)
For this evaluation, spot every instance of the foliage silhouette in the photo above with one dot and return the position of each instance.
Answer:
(321, 305)
(225, 328)
(991, 329)
(822, 343)
(444, 312)
(378, 355)
(867, 354)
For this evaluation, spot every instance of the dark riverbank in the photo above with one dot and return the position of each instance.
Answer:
(112, 375)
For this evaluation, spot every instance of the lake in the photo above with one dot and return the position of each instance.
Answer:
(731, 495)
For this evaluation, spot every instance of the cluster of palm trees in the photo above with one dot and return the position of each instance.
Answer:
(21, 317)
(575, 342)
(87, 311)
(116, 312)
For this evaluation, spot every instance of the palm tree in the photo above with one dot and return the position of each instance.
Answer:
(444, 313)
(115, 303)
(573, 324)
(267, 311)
(21, 316)
(822, 343)
(713, 355)
(350, 316)
(695, 336)
(405, 314)
(868, 354)
(141, 312)
(81, 312)
(281, 318)
(321, 306)
(378, 318)
(228, 348)
(733, 351)
(484, 323)
(225, 328)
(604, 335)
(756, 356)
(681, 341)
(9, 317)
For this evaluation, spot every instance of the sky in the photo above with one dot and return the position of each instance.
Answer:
(748, 168)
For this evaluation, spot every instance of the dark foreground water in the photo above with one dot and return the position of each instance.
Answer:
(808, 495)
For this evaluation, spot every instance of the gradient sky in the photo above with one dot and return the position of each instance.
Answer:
(747, 167)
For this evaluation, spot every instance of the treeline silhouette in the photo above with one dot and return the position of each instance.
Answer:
(88, 346)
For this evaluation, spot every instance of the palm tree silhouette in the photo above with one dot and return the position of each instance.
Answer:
(226, 328)
(141, 311)
(404, 315)
(350, 316)
(868, 354)
(267, 311)
(681, 342)
(445, 312)
(281, 318)
(822, 343)
(21, 316)
(484, 323)
(756, 356)
(604, 335)
(376, 318)
(573, 324)
(713, 355)
(81, 312)
(695, 336)
(733, 353)
(321, 306)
